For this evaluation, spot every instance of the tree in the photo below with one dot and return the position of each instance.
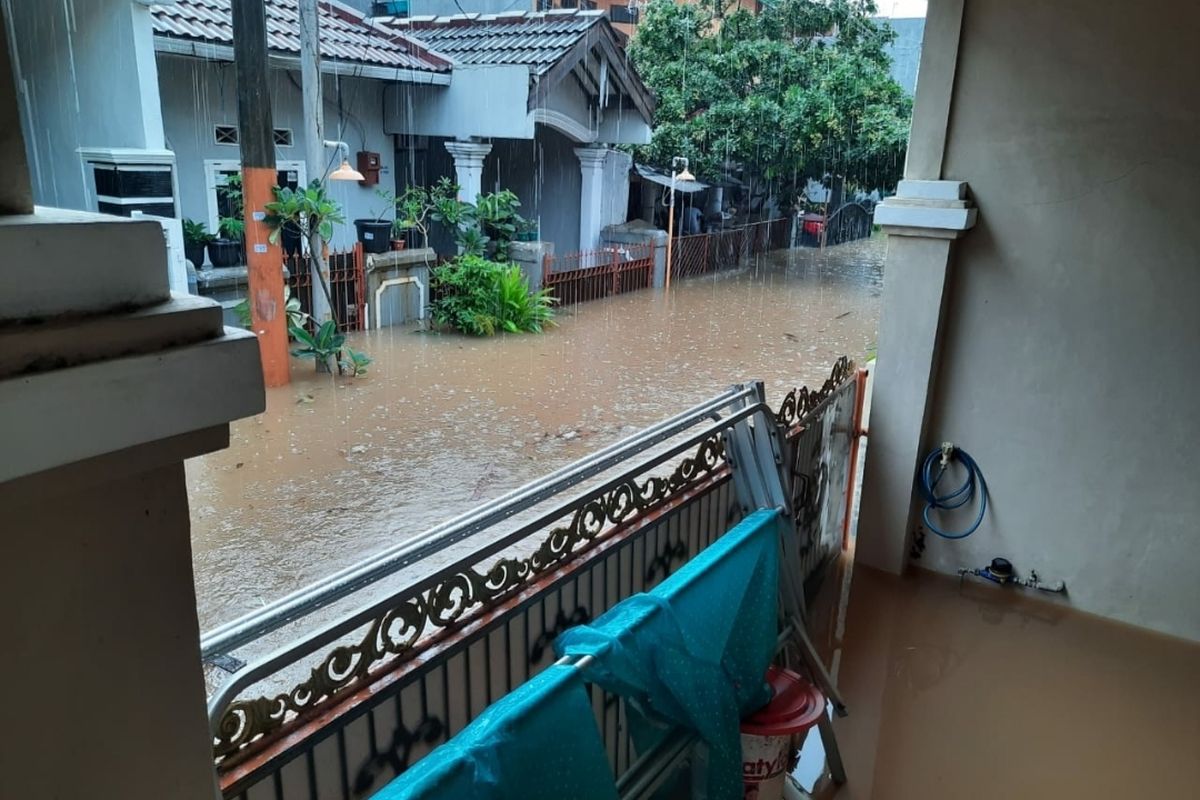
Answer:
(800, 90)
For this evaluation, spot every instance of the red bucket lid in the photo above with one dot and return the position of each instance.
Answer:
(795, 706)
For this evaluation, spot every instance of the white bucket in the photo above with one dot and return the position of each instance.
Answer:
(764, 766)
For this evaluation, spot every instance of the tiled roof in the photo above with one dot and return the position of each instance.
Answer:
(535, 40)
(345, 34)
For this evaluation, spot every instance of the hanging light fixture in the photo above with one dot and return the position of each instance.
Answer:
(345, 172)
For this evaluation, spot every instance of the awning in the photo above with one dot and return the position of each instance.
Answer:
(658, 177)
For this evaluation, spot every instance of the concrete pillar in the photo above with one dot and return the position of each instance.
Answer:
(657, 239)
(107, 383)
(591, 195)
(531, 256)
(468, 167)
(922, 220)
(651, 192)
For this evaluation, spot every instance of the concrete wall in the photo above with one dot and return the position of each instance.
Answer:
(198, 94)
(905, 50)
(544, 172)
(1068, 363)
(480, 101)
(86, 73)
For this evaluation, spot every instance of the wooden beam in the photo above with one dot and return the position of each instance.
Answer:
(264, 261)
(546, 83)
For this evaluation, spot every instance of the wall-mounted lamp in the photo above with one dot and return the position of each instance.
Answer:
(345, 172)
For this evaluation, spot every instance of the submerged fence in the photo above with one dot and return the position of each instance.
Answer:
(592, 274)
(347, 285)
(345, 705)
(615, 269)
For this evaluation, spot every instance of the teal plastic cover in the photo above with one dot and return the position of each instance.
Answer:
(694, 651)
(539, 742)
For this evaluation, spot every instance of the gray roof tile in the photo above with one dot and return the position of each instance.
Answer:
(345, 34)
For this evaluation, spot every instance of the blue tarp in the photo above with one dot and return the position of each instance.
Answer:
(539, 742)
(694, 651)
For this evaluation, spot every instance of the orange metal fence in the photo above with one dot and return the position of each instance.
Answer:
(592, 274)
(347, 285)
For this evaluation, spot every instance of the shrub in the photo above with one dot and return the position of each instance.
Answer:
(481, 297)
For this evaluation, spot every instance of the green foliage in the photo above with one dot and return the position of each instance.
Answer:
(389, 202)
(354, 363)
(325, 346)
(447, 208)
(309, 209)
(412, 212)
(196, 233)
(498, 217)
(481, 298)
(800, 90)
(471, 241)
(232, 226)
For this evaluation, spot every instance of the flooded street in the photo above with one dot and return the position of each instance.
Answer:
(338, 468)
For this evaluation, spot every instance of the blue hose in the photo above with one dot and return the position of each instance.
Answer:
(927, 483)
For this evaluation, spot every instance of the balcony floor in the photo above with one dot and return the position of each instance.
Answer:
(985, 692)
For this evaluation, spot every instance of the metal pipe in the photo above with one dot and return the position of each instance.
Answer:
(273, 616)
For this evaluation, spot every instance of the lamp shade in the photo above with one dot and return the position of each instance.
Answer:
(346, 173)
(686, 175)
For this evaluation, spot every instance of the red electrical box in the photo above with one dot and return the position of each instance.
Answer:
(369, 166)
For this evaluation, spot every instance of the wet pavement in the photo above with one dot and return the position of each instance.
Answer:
(336, 469)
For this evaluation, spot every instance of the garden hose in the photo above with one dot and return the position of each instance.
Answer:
(931, 473)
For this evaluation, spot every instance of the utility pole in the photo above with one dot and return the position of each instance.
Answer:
(264, 260)
(314, 143)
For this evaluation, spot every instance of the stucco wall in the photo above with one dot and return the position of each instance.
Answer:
(197, 95)
(86, 75)
(1068, 363)
(545, 174)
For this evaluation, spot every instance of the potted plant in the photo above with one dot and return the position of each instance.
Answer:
(195, 238)
(314, 213)
(497, 214)
(375, 232)
(227, 249)
(283, 217)
(527, 229)
(412, 213)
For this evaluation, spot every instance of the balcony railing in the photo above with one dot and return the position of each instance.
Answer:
(382, 661)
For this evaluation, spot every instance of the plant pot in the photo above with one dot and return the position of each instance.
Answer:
(195, 254)
(399, 244)
(374, 234)
(225, 253)
(290, 239)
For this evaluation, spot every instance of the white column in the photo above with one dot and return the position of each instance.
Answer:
(468, 167)
(103, 633)
(591, 195)
(922, 221)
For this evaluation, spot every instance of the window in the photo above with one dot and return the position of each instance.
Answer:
(228, 134)
(291, 174)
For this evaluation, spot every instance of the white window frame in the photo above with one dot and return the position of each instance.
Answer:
(213, 167)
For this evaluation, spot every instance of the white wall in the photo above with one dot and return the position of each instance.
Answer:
(487, 101)
(86, 74)
(198, 94)
(1069, 358)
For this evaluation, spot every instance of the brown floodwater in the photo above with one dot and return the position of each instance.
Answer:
(338, 468)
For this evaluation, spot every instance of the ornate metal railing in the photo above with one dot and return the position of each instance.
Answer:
(380, 686)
